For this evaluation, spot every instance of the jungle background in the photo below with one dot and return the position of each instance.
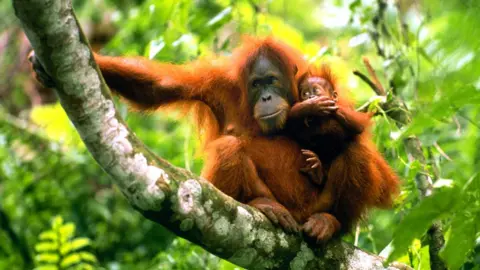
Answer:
(58, 208)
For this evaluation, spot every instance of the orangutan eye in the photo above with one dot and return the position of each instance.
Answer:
(271, 79)
(305, 95)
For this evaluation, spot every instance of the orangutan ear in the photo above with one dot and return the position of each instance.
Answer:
(335, 95)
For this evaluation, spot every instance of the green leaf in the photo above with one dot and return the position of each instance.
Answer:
(424, 260)
(67, 231)
(76, 244)
(47, 258)
(45, 246)
(66, 248)
(48, 235)
(460, 242)
(57, 222)
(87, 257)
(70, 260)
(79, 243)
(420, 218)
(354, 5)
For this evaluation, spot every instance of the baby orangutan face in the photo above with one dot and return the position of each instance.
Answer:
(315, 87)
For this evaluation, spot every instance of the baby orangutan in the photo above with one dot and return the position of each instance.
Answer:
(341, 157)
(322, 125)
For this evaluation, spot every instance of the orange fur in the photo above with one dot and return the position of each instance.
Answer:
(358, 177)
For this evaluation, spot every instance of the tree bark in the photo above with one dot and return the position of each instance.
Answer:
(184, 203)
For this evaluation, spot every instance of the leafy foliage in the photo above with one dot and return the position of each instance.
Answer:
(59, 249)
(182, 256)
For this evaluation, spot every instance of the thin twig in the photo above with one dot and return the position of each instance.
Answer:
(373, 74)
(367, 80)
(459, 127)
(440, 150)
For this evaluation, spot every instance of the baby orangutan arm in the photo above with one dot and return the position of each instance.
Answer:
(316, 106)
(314, 168)
(354, 122)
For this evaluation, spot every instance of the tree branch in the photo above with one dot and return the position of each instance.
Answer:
(380, 90)
(186, 204)
(370, 83)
